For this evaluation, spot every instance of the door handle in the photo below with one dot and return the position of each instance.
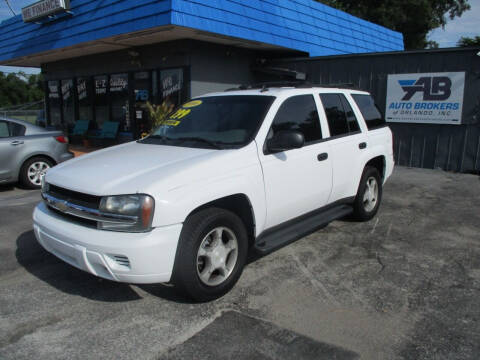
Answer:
(362, 145)
(322, 156)
(16, 142)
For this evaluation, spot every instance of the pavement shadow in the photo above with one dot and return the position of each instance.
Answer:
(66, 278)
(6, 187)
(167, 292)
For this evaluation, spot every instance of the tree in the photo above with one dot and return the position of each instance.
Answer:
(468, 42)
(17, 89)
(413, 18)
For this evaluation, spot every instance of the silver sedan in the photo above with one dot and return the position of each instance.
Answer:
(28, 151)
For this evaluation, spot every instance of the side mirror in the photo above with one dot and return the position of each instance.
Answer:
(285, 140)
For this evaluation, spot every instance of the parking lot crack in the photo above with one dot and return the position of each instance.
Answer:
(25, 329)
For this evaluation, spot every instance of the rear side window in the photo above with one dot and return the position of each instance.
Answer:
(336, 115)
(351, 118)
(17, 129)
(298, 113)
(4, 129)
(373, 117)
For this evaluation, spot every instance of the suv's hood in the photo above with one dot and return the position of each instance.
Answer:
(127, 168)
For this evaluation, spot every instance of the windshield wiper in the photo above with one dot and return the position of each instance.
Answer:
(199, 139)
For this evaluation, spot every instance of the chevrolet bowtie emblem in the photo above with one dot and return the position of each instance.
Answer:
(61, 205)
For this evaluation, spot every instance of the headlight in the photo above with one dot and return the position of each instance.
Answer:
(45, 185)
(134, 212)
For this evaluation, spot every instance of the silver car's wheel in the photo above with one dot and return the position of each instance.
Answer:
(33, 170)
(370, 197)
(36, 171)
(217, 256)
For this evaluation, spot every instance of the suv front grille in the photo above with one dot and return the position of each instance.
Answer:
(75, 219)
(77, 198)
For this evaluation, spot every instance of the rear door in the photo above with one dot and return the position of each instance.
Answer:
(297, 181)
(10, 147)
(347, 141)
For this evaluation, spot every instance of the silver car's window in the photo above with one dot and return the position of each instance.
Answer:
(17, 129)
(4, 129)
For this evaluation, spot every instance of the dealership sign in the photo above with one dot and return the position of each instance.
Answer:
(431, 98)
(44, 8)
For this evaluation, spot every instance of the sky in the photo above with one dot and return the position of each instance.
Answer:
(467, 25)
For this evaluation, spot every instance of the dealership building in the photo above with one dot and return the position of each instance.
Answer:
(102, 60)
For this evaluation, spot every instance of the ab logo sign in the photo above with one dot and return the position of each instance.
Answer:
(432, 98)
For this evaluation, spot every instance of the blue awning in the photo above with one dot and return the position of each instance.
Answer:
(97, 26)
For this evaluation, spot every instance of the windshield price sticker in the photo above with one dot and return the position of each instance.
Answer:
(180, 113)
(171, 122)
(184, 110)
(191, 104)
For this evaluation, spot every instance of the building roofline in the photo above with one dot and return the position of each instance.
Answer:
(405, 52)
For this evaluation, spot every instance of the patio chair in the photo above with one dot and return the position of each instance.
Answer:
(108, 132)
(81, 128)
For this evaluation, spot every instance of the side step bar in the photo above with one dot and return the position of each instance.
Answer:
(295, 229)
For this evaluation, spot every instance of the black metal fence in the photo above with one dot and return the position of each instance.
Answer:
(449, 147)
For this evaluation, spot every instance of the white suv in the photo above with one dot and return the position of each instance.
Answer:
(225, 173)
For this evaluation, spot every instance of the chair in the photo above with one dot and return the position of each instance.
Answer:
(81, 128)
(108, 132)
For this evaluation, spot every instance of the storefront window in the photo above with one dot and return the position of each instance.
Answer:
(101, 100)
(84, 98)
(172, 88)
(68, 104)
(119, 100)
(55, 116)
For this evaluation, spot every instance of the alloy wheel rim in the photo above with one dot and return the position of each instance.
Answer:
(217, 256)
(36, 171)
(370, 197)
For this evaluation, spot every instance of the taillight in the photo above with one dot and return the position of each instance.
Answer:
(62, 139)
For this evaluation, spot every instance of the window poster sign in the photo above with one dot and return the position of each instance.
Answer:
(171, 81)
(81, 88)
(118, 82)
(53, 90)
(431, 98)
(101, 85)
(66, 89)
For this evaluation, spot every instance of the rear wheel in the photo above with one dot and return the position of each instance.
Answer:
(211, 254)
(33, 170)
(369, 195)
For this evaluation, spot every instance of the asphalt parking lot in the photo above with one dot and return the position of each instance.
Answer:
(405, 285)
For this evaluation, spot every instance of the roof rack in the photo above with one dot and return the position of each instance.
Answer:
(295, 84)
(271, 84)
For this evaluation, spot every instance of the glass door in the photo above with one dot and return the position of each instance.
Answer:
(142, 94)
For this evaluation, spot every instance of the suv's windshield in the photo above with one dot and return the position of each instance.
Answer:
(213, 122)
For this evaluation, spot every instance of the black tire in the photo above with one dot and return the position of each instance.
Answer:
(195, 229)
(24, 178)
(363, 211)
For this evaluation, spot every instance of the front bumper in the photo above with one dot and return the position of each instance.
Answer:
(138, 258)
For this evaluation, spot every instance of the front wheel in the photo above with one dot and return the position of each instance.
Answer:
(211, 254)
(369, 195)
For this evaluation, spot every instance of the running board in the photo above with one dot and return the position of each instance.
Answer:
(295, 229)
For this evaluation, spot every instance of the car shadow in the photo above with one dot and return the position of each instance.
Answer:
(66, 278)
(6, 187)
(167, 292)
